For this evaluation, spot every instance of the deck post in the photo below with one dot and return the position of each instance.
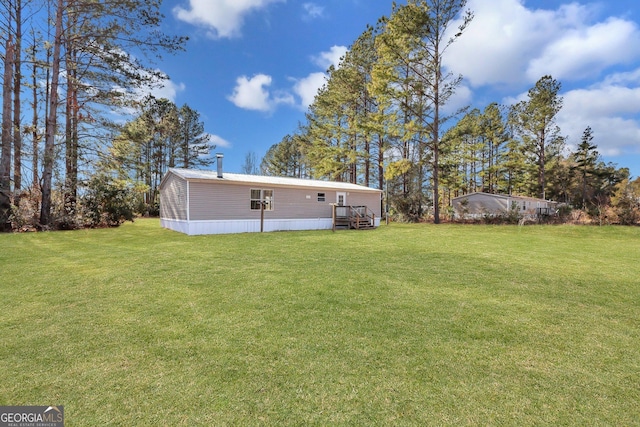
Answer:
(333, 217)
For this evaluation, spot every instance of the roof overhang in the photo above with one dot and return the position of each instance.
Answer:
(241, 179)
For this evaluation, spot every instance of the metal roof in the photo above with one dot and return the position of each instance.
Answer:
(206, 175)
(501, 196)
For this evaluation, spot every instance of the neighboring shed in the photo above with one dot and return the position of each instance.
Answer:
(205, 202)
(478, 205)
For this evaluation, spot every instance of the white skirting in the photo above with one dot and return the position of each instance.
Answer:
(246, 225)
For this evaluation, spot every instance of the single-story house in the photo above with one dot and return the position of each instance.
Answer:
(210, 202)
(478, 205)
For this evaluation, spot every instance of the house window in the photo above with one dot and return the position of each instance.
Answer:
(259, 196)
(321, 197)
(524, 206)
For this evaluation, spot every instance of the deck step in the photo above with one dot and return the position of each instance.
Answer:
(353, 218)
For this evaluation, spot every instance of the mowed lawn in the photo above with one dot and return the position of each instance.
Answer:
(403, 325)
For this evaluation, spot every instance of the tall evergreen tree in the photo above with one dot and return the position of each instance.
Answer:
(626, 201)
(193, 145)
(161, 137)
(5, 152)
(401, 54)
(536, 124)
(464, 149)
(586, 158)
(340, 121)
(493, 130)
(17, 102)
(286, 158)
(327, 131)
(442, 86)
(518, 170)
(51, 126)
(411, 49)
(94, 48)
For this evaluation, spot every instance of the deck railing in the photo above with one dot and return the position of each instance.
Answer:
(355, 217)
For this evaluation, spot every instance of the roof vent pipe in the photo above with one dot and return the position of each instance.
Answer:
(219, 164)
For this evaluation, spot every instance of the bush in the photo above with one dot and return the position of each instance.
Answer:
(626, 202)
(409, 208)
(109, 201)
(25, 213)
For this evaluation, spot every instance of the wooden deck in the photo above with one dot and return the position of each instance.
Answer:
(353, 218)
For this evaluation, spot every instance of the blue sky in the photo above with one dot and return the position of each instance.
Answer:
(253, 66)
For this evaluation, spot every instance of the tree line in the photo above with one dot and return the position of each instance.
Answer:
(70, 157)
(72, 68)
(384, 118)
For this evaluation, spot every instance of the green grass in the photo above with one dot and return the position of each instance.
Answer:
(404, 325)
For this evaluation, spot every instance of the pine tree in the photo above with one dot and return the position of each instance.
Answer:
(17, 102)
(536, 124)
(411, 49)
(95, 44)
(626, 201)
(494, 133)
(340, 123)
(286, 158)
(5, 152)
(161, 137)
(586, 158)
(51, 126)
(193, 146)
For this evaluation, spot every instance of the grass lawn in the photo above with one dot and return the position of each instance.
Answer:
(403, 325)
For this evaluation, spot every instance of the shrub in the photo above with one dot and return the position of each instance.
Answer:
(25, 212)
(626, 202)
(109, 201)
(409, 208)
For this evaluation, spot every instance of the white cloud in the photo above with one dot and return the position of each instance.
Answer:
(224, 17)
(156, 83)
(159, 89)
(499, 42)
(331, 57)
(312, 11)
(253, 94)
(218, 141)
(506, 43)
(586, 52)
(168, 90)
(307, 88)
(460, 99)
(611, 110)
(623, 78)
(510, 46)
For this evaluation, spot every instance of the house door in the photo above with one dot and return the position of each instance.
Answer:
(341, 199)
